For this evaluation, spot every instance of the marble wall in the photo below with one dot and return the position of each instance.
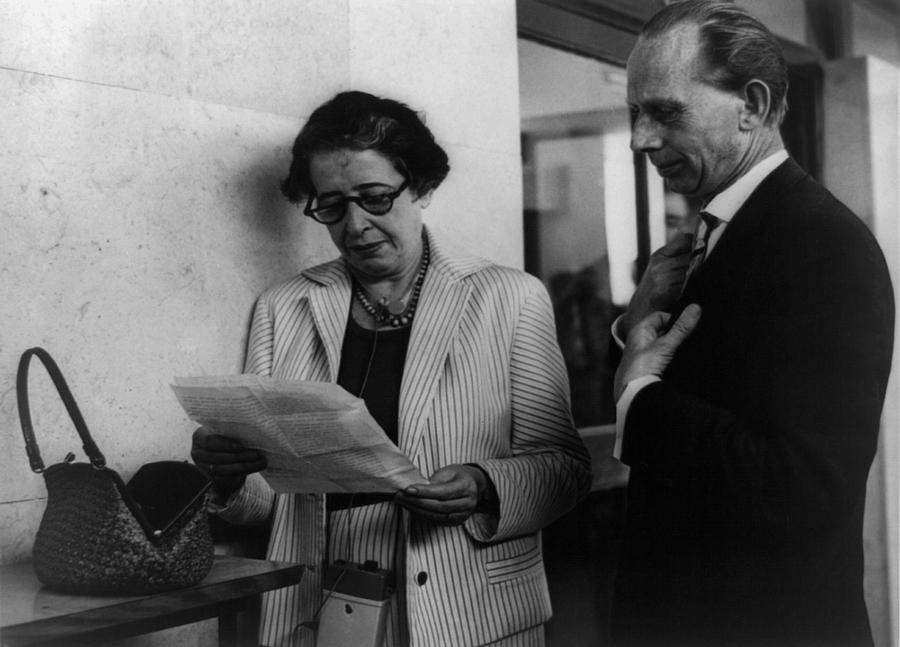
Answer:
(143, 145)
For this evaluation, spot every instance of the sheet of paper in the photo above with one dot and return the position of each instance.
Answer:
(316, 437)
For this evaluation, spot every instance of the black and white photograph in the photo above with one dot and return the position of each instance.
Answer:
(450, 323)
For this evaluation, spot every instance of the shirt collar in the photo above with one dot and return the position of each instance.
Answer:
(725, 204)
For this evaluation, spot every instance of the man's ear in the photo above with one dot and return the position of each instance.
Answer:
(757, 105)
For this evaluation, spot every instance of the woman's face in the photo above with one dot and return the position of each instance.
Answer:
(376, 247)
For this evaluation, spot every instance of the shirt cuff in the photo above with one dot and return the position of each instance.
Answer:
(615, 331)
(249, 505)
(482, 526)
(624, 404)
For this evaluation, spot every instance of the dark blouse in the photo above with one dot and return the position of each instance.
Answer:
(373, 363)
(372, 368)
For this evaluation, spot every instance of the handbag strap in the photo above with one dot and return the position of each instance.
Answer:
(34, 455)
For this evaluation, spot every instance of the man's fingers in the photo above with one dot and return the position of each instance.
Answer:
(680, 244)
(655, 324)
(684, 325)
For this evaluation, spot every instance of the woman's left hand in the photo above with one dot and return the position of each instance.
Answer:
(451, 495)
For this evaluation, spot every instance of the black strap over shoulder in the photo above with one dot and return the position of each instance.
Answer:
(34, 455)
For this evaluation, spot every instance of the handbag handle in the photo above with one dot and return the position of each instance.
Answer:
(34, 455)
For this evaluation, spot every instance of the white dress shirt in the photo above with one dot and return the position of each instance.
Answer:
(723, 206)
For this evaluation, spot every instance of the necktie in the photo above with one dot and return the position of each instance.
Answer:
(698, 253)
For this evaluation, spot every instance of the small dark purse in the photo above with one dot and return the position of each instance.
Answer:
(99, 536)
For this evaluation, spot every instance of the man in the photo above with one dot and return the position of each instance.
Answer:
(750, 424)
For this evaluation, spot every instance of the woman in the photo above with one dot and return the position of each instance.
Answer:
(457, 360)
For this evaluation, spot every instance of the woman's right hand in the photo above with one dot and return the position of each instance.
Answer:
(227, 462)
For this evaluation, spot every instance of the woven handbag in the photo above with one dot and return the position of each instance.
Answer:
(99, 536)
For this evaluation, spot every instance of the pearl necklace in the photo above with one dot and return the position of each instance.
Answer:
(393, 312)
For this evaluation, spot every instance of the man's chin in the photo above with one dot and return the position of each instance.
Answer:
(682, 185)
(677, 177)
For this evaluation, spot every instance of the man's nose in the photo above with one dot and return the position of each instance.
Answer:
(644, 135)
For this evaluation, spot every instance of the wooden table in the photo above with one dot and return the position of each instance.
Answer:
(32, 615)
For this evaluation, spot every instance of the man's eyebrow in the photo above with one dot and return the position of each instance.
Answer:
(664, 104)
(649, 105)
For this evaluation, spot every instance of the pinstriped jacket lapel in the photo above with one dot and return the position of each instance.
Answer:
(330, 306)
(437, 323)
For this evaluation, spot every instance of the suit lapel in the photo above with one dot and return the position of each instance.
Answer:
(734, 254)
(445, 297)
(329, 303)
(435, 327)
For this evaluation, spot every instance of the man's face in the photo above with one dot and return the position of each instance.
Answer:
(689, 129)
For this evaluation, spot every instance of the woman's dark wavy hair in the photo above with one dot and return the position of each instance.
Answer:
(360, 121)
(736, 46)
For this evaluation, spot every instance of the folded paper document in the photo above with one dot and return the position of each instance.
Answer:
(316, 437)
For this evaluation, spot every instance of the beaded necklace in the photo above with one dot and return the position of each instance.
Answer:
(394, 312)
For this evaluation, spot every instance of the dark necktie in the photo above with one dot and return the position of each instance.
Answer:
(698, 253)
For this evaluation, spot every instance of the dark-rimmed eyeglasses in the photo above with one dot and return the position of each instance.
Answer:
(334, 208)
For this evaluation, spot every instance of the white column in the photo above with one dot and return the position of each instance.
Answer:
(862, 167)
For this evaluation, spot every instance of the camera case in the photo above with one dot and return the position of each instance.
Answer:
(357, 601)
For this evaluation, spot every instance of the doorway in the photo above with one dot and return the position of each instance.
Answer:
(581, 240)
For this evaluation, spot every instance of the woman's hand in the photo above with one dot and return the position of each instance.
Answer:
(451, 495)
(227, 462)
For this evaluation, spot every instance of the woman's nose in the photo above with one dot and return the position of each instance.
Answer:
(356, 218)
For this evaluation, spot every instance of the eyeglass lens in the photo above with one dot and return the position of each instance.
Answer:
(332, 209)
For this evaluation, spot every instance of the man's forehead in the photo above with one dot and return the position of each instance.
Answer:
(680, 37)
(662, 63)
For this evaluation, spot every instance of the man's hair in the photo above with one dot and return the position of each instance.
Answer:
(735, 45)
(359, 121)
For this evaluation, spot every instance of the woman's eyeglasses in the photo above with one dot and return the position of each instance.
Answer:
(333, 209)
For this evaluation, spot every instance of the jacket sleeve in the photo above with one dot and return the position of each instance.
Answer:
(550, 470)
(253, 503)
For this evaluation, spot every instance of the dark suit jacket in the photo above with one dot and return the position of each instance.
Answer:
(749, 459)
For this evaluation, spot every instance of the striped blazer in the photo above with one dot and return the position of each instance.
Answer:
(483, 382)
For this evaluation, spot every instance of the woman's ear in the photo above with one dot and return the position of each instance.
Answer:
(425, 199)
(757, 105)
